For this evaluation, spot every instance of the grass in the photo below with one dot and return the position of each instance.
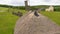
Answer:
(55, 16)
(7, 21)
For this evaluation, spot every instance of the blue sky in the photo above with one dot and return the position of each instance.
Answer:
(31, 2)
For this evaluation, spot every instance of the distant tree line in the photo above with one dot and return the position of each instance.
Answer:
(9, 6)
(57, 8)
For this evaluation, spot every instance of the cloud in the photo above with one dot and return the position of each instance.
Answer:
(17, 2)
(30, 2)
(45, 2)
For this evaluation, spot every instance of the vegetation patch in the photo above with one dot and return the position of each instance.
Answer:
(55, 16)
(8, 20)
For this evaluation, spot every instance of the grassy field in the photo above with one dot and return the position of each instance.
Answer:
(7, 21)
(55, 16)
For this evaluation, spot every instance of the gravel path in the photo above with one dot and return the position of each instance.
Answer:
(32, 24)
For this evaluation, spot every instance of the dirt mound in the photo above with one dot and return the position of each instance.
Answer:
(32, 24)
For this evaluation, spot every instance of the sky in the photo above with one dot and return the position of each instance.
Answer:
(30, 2)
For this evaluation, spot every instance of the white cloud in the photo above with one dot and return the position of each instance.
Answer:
(45, 2)
(31, 2)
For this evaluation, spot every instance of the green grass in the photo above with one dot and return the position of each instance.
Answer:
(54, 16)
(8, 21)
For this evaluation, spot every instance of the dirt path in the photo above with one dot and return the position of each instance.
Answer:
(32, 24)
